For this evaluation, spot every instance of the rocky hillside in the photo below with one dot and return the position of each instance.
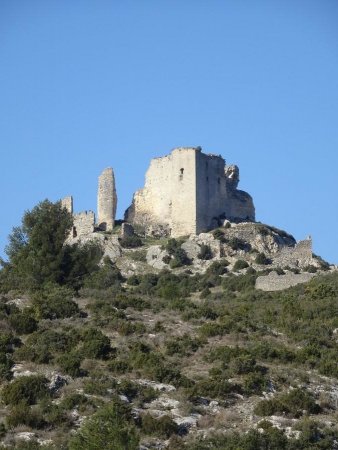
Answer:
(166, 344)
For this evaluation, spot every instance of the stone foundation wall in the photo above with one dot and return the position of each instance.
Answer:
(274, 282)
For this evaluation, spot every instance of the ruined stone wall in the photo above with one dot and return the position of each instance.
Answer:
(183, 192)
(211, 191)
(67, 203)
(186, 192)
(274, 282)
(152, 204)
(106, 200)
(300, 255)
(83, 224)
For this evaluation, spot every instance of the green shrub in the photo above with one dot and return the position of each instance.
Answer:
(139, 255)
(107, 276)
(131, 241)
(23, 323)
(162, 427)
(213, 388)
(238, 244)
(255, 383)
(240, 283)
(54, 302)
(41, 345)
(205, 293)
(240, 264)
(219, 234)
(178, 255)
(182, 346)
(25, 389)
(243, 364)
(78, 401)
(262, 259)
(22, 414)
(110, 428)
(205, 252)
(6, 363)
(292, 403)
(95, 344)
(218, 268)
(70, 363)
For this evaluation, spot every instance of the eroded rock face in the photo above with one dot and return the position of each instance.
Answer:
(189, 192)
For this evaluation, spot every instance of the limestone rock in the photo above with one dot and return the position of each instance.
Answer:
(155, 257)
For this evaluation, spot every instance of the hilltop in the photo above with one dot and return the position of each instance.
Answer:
(124, 340)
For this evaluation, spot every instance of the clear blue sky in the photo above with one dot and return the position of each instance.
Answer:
(88, 84)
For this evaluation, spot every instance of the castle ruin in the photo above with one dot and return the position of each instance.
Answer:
(106, 200)
(189, 192)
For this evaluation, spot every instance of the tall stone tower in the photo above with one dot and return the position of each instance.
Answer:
(106, 200)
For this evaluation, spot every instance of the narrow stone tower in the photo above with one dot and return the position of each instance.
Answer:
(106, 200)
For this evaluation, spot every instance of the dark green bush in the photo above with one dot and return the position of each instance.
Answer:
(6, 363)
(23, 323)
(240, 264)
(54, 302)
(292, 403)
(25, 389)
(219, 234)
(238, 244)
(262, 259)
(162, 427)
(70, 363)
(110, 428)
(22, 414)
(95, 344)
(218, 268)
(255, 383)
(182, 346)
(205, 252)
(212, 388)
(107, 276)
(131, 241)
(178, 255)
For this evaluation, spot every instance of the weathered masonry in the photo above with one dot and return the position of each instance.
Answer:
(188, 192)
(106, 200)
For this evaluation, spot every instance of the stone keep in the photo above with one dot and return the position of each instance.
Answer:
(106, 200)
(189, 192)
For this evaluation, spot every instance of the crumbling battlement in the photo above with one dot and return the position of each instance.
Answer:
(189, 192)
(300, 255)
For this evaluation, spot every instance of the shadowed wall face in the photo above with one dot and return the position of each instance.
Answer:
(106, 200)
